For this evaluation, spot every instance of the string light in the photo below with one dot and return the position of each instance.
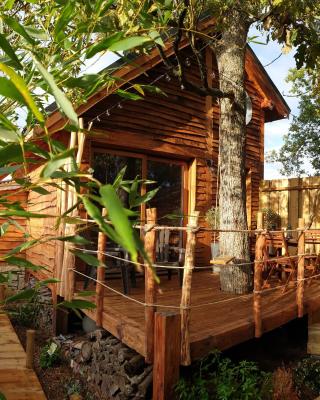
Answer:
(167, 77)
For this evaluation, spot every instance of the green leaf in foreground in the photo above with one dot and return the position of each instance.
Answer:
(59, 96)
(88, 258)
(6, 47)
(76, 304)
(26, 294)
(23, 89)
(56, 162)
(21, 262)
(119, 219)
(129, 43)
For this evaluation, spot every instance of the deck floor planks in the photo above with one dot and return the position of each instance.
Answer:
(16, 381)
(220, 325)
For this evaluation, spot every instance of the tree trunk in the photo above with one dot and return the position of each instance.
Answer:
(230, 53)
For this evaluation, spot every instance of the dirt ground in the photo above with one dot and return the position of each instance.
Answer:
(58, 379)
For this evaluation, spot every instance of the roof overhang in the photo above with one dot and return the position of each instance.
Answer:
(273, 103)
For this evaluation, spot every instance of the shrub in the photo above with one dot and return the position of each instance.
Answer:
(219, 378)
(49, 355)
(306, 376)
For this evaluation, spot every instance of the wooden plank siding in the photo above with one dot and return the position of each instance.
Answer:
(41, 228)
(13, 236)
(176, 126)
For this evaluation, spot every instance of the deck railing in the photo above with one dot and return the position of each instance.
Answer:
(262, 262)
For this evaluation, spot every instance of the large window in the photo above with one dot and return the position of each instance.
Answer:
(169, 175)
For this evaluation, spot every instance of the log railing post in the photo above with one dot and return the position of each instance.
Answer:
(260, 249)
(166, 367)
(102, 240)
(150, 284)
(30, 348)
(186, 288)
(300, 272)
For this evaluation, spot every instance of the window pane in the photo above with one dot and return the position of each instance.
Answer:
(168, 200)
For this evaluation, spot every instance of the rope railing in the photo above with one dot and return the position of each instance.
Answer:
(180, 307)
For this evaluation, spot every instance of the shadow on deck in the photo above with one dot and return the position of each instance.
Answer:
(227, 322)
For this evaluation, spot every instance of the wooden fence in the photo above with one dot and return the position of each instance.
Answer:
(293, 199)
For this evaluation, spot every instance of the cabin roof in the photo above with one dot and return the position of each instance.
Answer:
(125, 69)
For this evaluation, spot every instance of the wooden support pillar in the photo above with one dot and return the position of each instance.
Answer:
(2, 292)
(166, 367)
(150, 284)
(300, 272)
(30, 348)
(102, 240)
(186, 288)
(258, 267)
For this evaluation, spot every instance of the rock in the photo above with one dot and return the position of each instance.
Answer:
(88, 324)
(86, 351)
(135, 366)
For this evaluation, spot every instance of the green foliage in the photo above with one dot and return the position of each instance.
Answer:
(306, 375)
(301, 145)
(49, 356)
(219, 378)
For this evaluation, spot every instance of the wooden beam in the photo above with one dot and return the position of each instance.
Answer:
(186, 288)
(150, 284)
(300, 272)
(102, 241)
(166, 368)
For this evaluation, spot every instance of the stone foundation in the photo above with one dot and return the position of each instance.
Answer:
(114, 370)
(17, 281)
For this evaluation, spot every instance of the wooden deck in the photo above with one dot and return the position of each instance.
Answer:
(16, 381)
(221, 325)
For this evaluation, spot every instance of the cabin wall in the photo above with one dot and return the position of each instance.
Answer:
(41, 228)
(13, 236)
(180, 125)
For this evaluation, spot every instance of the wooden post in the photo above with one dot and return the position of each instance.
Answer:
(166, 367)
(300, 272)
(258, 266)
(2, 292)
(186, 288)
(150, 284)
(30, 348)
(102, 240)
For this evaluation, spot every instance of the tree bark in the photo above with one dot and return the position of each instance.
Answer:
(230, 53)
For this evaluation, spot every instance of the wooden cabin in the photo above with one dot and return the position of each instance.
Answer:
(172, 139)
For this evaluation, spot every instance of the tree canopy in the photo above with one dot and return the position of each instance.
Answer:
(300, 153)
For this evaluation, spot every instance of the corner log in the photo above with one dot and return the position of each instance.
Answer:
(300, 272)
(186, 288)
(166, 368)
(102, 241)
(150, 283)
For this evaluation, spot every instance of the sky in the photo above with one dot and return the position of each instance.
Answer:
(277, 71)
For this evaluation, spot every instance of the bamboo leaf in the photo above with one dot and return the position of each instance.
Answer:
(103, 44)
(59, 96)
(6, 47)
(15, 25)
(78, 304)
(119, 218)
(129, 43)
(21, 262)
(26, 294)
(56, 162)
(22, 88)
(87, 258)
